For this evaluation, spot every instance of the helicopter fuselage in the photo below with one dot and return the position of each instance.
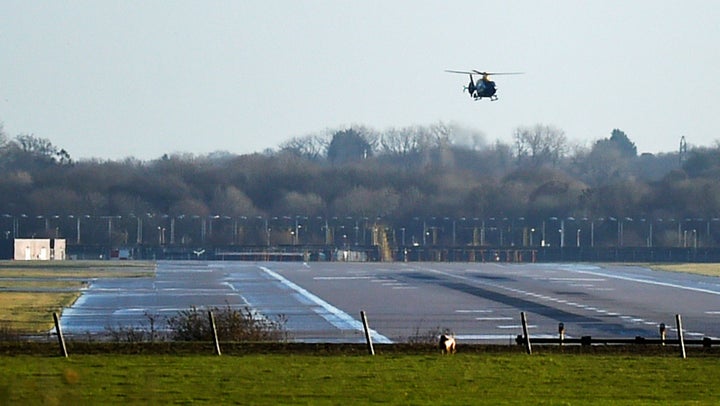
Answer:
(482, 88)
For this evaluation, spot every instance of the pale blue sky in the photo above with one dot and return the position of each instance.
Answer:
(112, 79)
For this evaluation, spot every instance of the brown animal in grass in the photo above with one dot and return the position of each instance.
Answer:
(447, 344)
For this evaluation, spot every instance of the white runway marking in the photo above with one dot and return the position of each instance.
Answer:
(650, 282)
(332, 314)
(473, 311)
(493, 318)
(394, 284)
(339, 278)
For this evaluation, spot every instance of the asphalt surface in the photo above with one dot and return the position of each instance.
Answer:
(479, 302)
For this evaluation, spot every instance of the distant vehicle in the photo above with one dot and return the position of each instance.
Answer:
(483, 87)
(121, 253)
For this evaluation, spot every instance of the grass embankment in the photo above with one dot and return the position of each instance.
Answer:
(30, 291)
(700, 269)
(397, 379)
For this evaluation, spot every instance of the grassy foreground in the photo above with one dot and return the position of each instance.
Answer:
(396, 379)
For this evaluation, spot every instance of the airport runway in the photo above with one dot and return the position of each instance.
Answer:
(479, 302)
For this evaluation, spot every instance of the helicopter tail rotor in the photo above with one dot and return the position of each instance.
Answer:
(471, 87)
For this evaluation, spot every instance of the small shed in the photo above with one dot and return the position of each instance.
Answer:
(40, 249)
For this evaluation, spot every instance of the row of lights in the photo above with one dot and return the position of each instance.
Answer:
(426, 229)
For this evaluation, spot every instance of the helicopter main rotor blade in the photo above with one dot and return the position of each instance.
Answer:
(497, 73)
(464, 72)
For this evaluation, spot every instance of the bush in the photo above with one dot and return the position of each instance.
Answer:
(143, 333)
(121, 334)
(231, 325)
(431, 336)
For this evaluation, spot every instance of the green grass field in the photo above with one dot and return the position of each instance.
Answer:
(323, 379)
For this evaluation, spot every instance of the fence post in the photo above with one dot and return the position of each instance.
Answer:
(214, 331)
(662, 333)
(681, 340)
(368, 338)
(61, 339)
(523, 320)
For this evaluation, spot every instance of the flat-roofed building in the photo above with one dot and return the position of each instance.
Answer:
(39, 249)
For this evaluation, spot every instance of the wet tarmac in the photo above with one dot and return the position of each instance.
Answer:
(478, 302)
(114, 304)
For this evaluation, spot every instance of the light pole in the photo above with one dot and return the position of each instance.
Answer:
(267, 231)
(532, 231)
(482, 233)
(577, 239)
(138, 231)
(424, 233)
(357, 232)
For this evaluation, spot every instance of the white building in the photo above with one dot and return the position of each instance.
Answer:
(39, 249)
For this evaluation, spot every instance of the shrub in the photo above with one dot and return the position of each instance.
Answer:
(121, 334)
(231, 325)
(431, 336)
(126, 334)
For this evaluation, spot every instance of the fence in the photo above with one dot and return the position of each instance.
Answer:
(523, 339)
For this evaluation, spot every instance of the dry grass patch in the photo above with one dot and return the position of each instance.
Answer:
(35, 285)
(30, 291)
(75, 269)
(31, 312)
(700, 269)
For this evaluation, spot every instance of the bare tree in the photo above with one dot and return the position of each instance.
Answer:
(308, 204)
(231, 201)
(365, 202)
(399, 142)
(3, 136)
(540, 145)
(312, 147)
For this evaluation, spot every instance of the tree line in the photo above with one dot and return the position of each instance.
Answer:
(397, 177)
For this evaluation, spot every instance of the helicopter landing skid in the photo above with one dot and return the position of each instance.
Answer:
(492, 98)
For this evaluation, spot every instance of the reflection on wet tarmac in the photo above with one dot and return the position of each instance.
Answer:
(176, 286)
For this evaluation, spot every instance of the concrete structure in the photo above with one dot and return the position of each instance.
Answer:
(42, 249)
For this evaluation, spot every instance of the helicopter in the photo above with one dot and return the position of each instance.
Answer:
(483, 87)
